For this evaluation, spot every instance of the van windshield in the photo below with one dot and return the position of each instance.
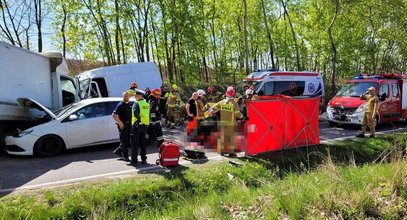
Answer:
(355, 89)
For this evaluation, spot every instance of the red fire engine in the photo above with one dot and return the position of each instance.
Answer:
(347, 107)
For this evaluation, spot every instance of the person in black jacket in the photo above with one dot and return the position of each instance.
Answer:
(122, 117)
(155, 116)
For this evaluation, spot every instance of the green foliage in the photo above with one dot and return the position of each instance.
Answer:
(203, 40)
(267, 188)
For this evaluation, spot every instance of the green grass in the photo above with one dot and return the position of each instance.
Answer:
(364, 178)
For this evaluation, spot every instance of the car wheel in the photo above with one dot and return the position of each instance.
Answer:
(49, 145)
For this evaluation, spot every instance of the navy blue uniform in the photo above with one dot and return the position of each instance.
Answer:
(123, 110)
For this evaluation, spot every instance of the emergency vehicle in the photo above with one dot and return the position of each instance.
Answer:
(347, 107)
(296, 84)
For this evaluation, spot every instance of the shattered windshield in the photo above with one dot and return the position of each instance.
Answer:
(58, 113)
(355, 89)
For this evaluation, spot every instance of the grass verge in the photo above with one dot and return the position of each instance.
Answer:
(364, 178)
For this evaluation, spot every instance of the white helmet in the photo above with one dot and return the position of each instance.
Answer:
(249, 92)
(230, 88)
(201, 92)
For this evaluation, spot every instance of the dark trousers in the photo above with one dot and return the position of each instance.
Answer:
(158, 131)
(124, 135)
(138, 141)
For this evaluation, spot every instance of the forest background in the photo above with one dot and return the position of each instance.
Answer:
(217, 41)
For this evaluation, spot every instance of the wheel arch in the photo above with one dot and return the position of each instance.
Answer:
(48, 135)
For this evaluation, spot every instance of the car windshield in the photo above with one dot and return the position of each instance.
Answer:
(355, 89)
(67, 108)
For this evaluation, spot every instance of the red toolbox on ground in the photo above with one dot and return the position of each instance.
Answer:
(168, 154)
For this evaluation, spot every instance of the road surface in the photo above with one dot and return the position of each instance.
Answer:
(24, 173)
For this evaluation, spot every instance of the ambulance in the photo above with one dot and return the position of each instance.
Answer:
(289, 83)
(347, 107)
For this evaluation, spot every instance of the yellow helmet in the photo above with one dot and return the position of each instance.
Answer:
(174, 86)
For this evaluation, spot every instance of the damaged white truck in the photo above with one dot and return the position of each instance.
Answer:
(42, 77)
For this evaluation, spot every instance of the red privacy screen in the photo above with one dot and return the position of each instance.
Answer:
(282, 123)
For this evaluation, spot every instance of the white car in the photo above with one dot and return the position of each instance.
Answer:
(85, 123)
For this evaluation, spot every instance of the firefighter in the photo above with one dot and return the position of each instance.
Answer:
(229, 112)
(213, 95)
(163, 101)
(122, 116)
(371, 106)
(249, 96)
(155, 116)
(140, 121)
(133, 86)
(173, 104)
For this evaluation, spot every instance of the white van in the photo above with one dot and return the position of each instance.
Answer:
(289, 83)
(111, 81)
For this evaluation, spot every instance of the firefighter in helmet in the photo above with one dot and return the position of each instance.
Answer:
(173, 106)
(229, 113)
(155, 116)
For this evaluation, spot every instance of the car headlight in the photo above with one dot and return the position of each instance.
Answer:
(329, 109)
(361, 108)
(23, 133)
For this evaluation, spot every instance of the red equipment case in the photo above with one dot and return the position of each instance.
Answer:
(168, 154)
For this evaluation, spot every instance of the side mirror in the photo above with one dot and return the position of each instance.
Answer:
(73, 117)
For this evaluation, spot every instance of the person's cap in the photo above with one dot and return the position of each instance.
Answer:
(140, 92)
(201, 92)
(372, 89)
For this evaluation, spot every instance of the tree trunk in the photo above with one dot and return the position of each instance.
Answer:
(293, 35)
(63, 29)
(268, 35)
(333, 46)
(38, 22)
(117, 32)
(246, 43)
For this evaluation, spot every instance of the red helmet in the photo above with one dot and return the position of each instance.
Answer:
(156, 93)
(133, 86)
(210, 89)
(231, 93)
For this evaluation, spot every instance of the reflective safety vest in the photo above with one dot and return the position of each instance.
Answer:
(144, 113)
(173, 99)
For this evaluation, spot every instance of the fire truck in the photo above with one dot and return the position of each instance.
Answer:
(347, 107)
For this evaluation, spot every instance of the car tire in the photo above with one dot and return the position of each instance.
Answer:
(48, 145)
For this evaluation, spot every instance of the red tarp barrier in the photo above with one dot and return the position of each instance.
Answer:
(282, 123)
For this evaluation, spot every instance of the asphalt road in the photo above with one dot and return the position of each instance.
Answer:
(25, 173)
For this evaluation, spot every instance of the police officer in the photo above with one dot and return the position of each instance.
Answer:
(140, 121)
(155, 116)
(122, 117)
(371, 106)
(173, 104)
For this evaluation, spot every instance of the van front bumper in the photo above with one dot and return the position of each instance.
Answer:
(342, 118)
